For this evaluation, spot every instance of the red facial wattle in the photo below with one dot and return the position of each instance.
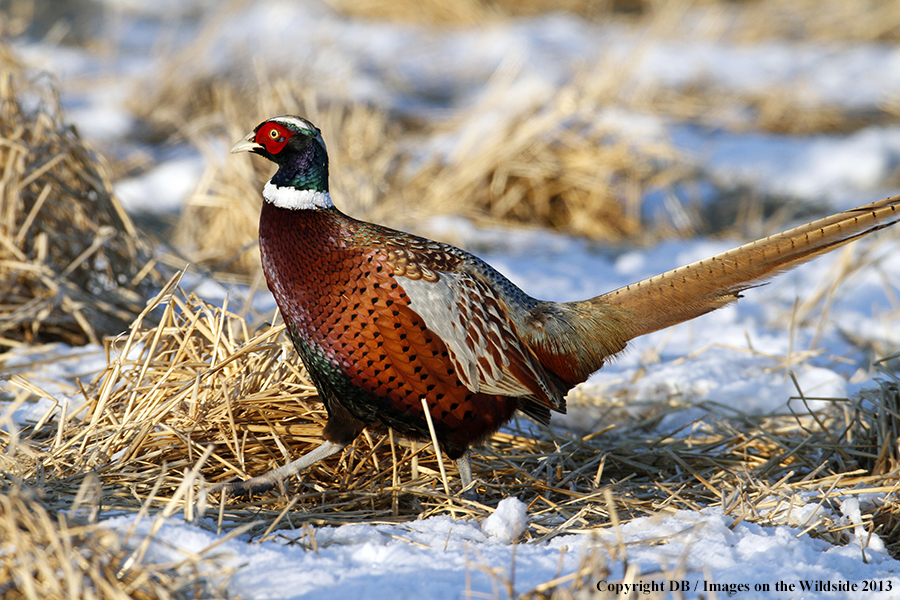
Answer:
(273, 137)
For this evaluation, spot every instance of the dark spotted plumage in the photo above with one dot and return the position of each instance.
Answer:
(383, 319)
(340, 284)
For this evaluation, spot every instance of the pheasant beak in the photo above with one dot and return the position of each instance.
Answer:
(246, 144)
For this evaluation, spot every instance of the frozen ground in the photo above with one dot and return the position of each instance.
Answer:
(417, 70)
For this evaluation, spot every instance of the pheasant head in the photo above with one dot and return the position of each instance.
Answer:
(297, 147)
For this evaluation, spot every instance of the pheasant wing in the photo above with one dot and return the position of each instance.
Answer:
(473, 321)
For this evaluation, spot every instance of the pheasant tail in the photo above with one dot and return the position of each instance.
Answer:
(698, 288)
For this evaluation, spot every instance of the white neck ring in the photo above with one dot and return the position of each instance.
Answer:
(295, 199)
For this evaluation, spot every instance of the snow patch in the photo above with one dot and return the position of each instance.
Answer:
(507, 522)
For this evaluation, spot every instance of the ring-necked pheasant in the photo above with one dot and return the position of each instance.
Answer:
(382, 318)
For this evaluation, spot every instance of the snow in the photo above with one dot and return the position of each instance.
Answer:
(736, 357)
(844, 170)
(442, 558)
(52, 368)
(162, 189)
(820, 70)
(508, 521)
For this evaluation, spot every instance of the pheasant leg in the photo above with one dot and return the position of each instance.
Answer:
(277, 476)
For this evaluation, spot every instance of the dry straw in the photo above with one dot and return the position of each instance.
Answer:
(202, 379)
(72, 266)
(48, 555)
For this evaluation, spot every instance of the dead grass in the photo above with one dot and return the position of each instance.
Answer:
(474, 12)
(46, 554)
(72, 266)
(820, 20)
(548, 163)
(201, 389)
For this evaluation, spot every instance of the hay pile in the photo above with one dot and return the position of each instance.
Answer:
(552, 166)
(72, 266)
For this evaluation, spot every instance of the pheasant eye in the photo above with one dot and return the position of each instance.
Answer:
(273, 133)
